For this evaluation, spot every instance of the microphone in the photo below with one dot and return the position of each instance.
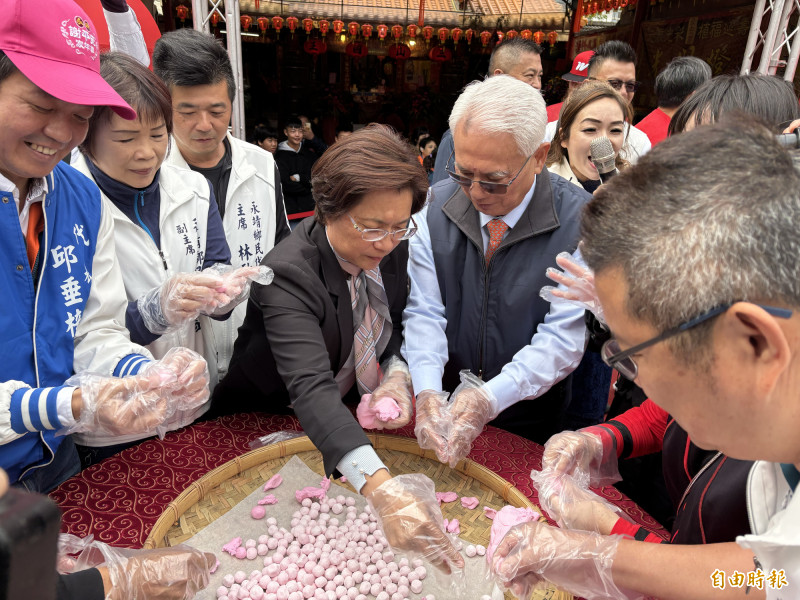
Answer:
(790, 141)
(604, 157)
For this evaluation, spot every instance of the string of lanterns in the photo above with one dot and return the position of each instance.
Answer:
(595, 8)
(353, 29)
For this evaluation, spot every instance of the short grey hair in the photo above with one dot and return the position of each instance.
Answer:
(707, 218)
(502, 104)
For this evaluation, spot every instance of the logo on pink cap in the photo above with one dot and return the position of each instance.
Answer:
(79, 37)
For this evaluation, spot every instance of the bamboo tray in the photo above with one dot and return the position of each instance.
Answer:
(221, 489)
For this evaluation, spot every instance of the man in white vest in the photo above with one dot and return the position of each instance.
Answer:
(244, 178)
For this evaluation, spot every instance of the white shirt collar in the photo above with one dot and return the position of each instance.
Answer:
(512, 217)
(36, 192)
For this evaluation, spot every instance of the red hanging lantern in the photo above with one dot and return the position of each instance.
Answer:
(538, 37)
(324, 26)
(397, 31)
(356, 49)
(440, 54)
(338, 26)
(552, 38)
(308, 25)
(277, 23)
(352, 29)
(526, 34)
(456, 34)
(427, 33)
(444, 33)
(246, 21)
(500, 36)
(263, 23)
(412, 31)
(511, 34)
(468, 35)
(183, 12)
(485, 37)
(366, 31)
(214, 18)
(315, 47)
(291, 23)
(399, 52)
(383, 31)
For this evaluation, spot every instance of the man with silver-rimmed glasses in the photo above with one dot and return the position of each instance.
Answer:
(484, 242)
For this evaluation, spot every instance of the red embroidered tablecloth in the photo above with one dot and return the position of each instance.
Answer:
(120, 499)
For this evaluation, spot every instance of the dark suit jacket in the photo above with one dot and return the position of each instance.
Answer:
(298, 333)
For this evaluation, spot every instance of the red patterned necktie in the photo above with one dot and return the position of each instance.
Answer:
(497, 228)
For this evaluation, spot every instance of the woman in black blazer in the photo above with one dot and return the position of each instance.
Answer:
(296, 347)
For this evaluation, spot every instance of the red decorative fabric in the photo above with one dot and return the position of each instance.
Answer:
(120, 499)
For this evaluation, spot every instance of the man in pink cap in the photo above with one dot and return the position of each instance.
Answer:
(575, 77)
(67, 302)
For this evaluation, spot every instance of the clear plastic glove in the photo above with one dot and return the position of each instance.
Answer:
(235, 286)
(471, 407)
(432, 422)
(122, 405)
(574, 452)
(396, 384)
(579, 562)
(179, 300)
(572, 505)
(579, 281)
(176, 573)
(410, 518)
(191, 379)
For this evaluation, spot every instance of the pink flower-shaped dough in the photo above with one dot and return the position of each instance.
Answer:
(309, 492)
(268, 499)
(273, 482)
(469, 502)
(505, 519)
(446, 497)
(231, 546)
(372, 417)
(489, 513)
(454, 526)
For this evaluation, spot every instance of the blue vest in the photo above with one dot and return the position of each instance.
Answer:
(39, 324)
(492, 312)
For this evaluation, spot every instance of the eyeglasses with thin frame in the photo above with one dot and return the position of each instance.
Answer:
(630, 86)
(376, 235)
(622, 360)
(489, 187)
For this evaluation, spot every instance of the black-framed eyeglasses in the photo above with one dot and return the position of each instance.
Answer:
(630, 86)
(489, 187)
(376, 235)
(622, 360)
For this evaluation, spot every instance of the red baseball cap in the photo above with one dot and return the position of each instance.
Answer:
(580, 67)
(54, 44)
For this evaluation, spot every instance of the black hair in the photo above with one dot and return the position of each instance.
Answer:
(682, 76)
(424, 142)
(769, 98)
(506, 55)
(344, 126)
(614, 50)
(187, 57)
(293, 121)
(262, 132)
(7, 68)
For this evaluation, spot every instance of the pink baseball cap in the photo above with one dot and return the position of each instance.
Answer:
(580, 67)
(55, 45)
